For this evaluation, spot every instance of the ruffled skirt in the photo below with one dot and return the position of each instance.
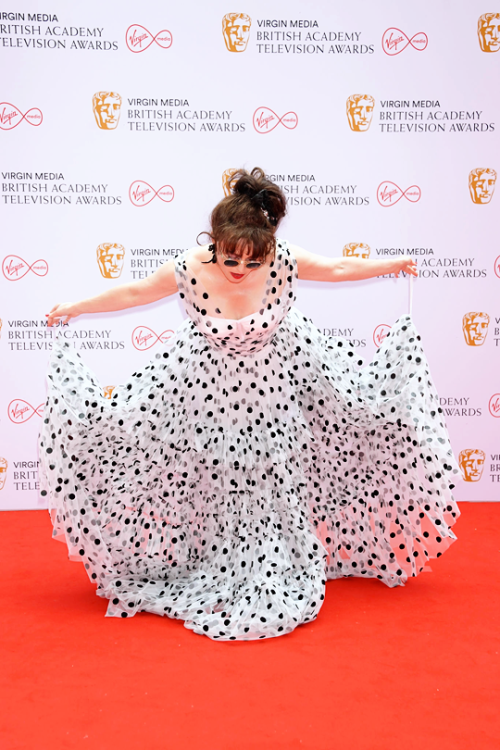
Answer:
(225, 490)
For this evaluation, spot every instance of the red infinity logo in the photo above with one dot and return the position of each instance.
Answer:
(265, 120)
(15, 268)
(497, 267)
(20, 411)
(388, 193)
(494, 405)
(140, 193)
(380, 333)
(11, 116)
(138, 38)
(144, 338)
(395, 41)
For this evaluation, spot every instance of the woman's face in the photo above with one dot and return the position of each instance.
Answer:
(237, 274)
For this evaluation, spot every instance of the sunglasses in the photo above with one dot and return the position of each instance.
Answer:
(233, 263)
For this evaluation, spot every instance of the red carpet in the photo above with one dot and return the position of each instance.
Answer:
(380, 669)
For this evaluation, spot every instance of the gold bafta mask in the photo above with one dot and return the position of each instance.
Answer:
(488, 32)
(110, 256)
(360, 112)
(107, 391)
(236, 31)
(107, 106)
(356, 250)
(475, 327)
(471, 461)
(482, 185)
(3, 472)
(226, 180)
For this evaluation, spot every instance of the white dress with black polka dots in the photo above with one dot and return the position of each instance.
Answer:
(246, 464)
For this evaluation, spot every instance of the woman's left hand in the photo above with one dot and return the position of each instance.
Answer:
(406, 264)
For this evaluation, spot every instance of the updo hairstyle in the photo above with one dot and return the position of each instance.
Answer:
(249, 216)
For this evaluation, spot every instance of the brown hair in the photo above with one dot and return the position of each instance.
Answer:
(249, 216)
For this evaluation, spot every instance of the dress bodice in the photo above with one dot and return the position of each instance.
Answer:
(251, 333)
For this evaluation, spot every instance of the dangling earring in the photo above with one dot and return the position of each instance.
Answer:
(213, 259)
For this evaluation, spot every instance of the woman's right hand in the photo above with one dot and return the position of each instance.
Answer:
(62, 312)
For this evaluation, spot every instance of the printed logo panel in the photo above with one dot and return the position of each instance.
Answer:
(20, 411)
(395, 41)
(471, 461)
(11, 116)
(475, 328)
(380, 333)
(15, 268)
(227, 176)
(494, 405)
(4, 465)
(488, 32)
(141, 193)
(360, 112)
(139, 39)
(110, 257)
(356, 250)
(107, 107)
(144, 338)
(482, 185)
(265, 120)
(496, 267)
(388, 193)
(236, 31)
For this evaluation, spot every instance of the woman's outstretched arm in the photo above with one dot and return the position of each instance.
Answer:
(160, 284)
(320, 268)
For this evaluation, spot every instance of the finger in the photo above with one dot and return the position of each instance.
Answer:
(68, 317)
(55, 307)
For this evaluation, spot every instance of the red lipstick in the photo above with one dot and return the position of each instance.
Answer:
(237, 275)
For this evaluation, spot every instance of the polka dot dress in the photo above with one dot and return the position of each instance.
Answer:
(246, 464)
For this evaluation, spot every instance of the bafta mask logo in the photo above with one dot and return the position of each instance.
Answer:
(227, 176)
(475, 327)
(107, 391)
(110, 256)
(3, 472)
(356, 250)
(482, 185)
(471, 461)
(236, 31)
(360, 112)
(107, 106)
(488, 32)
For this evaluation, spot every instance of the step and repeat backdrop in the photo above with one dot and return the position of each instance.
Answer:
(120, 124)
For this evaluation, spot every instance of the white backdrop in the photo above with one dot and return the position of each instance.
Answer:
(141, 171)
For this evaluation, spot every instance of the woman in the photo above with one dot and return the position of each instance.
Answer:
(251, 460)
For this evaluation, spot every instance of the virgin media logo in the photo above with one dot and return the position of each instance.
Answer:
(380, 333)
(388, 193)
(141, 193)
(394, 41)
(497, 267)
(15, 268)
(11, 116)
(144, 338)
(138, 38)
(20, 411)
(265, 120)
(494, 405)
